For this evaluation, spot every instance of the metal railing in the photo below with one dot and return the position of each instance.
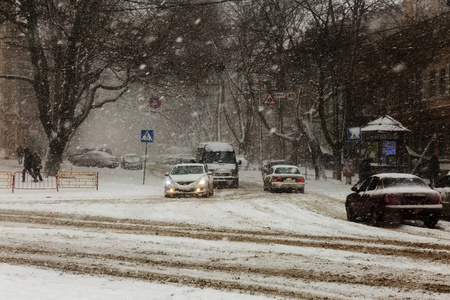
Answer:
(48, 181)
(78, 179)
(6, 180)
(34, 181)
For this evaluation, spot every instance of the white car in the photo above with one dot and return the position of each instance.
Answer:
(284, 177)
(189, 179)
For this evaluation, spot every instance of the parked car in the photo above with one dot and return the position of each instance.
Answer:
(394, 197)
(131, 161)
(284, 178)
(267, 165)
(443, 187)
(96, 159)
(189, 179)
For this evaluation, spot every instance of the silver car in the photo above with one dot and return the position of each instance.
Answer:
(189, 179)
(284, 178)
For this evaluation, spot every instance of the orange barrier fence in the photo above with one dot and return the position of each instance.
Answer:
(6, 180)
(48, 181)
(78, 179)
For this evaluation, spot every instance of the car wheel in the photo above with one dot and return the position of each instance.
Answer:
(350, 213)
(430, 222)
(375, 218)
(235, 184)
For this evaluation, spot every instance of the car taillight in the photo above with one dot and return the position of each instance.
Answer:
(389, 199)
(438, 199)
(278, 179)
(300, 180)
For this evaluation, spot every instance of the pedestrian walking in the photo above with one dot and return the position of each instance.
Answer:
(433, 169)
(348, 170)
(37, 166)
(364, 169)
(27, 164)
(19, 153)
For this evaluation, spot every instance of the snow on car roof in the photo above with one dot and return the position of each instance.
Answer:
(396, 175)
(284, 166)
(189, 164)
(102, 153)
(218, 146)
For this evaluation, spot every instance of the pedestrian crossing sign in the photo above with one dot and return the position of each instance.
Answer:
(147, 136)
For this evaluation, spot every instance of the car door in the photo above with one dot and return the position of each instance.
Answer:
(369, 198)
(357, 199)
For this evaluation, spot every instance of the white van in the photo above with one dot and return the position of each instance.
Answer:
(220, 158)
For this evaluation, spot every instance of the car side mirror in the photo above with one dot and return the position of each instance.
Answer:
(166, 174)
(355, 189)
(239, 162)
(210, 173)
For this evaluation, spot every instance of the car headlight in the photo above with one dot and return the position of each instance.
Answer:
(202, 181)
(168, 182)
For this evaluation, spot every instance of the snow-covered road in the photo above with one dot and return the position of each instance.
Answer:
(239, 244)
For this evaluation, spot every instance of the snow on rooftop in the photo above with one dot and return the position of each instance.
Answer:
(385, 124)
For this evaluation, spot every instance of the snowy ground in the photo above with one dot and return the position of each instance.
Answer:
(126, 241)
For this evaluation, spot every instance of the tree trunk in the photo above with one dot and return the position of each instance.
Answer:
(55, 155)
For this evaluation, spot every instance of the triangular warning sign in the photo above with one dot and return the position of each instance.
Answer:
(147, 137)
(270, 100)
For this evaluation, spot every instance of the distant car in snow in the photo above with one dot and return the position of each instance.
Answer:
(189, 179)
(131, 161)
(284, 178)
(394, 197)
(443, 187)
(96, 159)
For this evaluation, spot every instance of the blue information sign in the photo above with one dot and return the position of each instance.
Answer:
(147, 136)
(354, 134)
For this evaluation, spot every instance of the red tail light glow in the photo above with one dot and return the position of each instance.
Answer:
(300, 180)
(438, 199)
(389, 199)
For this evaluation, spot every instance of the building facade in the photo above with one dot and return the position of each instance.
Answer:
(407, 76)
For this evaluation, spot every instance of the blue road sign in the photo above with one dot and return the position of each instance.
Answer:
(147, 136)
(354, 134)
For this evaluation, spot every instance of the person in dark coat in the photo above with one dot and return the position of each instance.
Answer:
(37, 166)
(364, 169)
(19, 152)
(433, 169)
(27, 164)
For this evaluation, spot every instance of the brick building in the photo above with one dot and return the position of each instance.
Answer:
(19, 123)
(406, 75)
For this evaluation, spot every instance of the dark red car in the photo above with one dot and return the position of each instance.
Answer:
(394, 196)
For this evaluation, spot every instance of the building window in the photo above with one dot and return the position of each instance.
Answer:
(419, 87)
(441, 140)
(442, 82)
(432, 84)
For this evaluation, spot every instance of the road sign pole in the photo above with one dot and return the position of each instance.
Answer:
(145, 163)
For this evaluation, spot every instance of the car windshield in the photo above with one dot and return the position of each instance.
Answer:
(287, 170)
(132, 158)
(183, 170)
(220, 157)
(403, 182)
